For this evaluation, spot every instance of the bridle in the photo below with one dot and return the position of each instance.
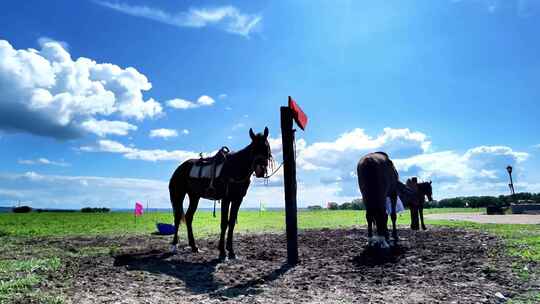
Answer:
(254, 161)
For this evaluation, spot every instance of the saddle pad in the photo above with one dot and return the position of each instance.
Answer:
(204, 171)
(399, 206)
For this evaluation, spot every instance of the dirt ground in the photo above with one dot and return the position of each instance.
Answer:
(488, 219)
(440, 265)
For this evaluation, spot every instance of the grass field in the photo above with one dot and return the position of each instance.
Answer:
(71, 224)
(18, 277)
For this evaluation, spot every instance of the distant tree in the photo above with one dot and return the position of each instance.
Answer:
(22, 209)
(95, 210)
(314, 208)
(332, 206)
(345, 206)
(358, 204)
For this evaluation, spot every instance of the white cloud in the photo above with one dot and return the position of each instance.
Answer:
(164, 133)
(479, 164)
(222, 96)
(45, 92)
(56, 191)
(182, 104)
(140, 154)
(185, 131)
(227, 18)
(105, 127)
(237, 126)
(350, 146)
(205, 101)
(480, 169)
(43, 161)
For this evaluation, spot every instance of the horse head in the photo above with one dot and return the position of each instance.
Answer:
(260, 152)
(427, 190)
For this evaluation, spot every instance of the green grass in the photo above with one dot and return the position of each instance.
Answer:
(89, 224)
(18, 277)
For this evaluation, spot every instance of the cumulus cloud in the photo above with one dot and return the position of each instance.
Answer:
(182, 104)
(105, 127)
(57, 191)
(480, 169)
(346, 150)
(163, 133)
(227, 18)
(45, 92)
(479, 164)
(153, 155)
(43, 161)
(237, 126)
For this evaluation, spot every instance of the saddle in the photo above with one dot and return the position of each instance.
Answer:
(210, 168)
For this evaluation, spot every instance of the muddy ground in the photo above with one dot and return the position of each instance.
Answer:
(441, 265)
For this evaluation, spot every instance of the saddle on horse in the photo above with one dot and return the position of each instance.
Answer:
(210, 167)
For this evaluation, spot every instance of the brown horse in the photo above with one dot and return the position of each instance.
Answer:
(378, 179)
(230, 187)
(416, 204)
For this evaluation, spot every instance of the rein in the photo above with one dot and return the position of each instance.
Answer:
(275, 171)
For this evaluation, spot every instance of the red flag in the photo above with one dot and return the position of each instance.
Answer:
(299, 116)
(138, 209)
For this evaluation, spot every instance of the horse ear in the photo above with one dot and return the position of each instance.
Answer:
(430, 182)
(266, 132)
(251, 134)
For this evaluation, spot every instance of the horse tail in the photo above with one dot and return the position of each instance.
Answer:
(177, 194)
(368, 178)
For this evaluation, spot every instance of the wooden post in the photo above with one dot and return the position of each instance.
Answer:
(289, 176)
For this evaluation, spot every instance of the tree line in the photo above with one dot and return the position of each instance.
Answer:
(455, 202)
(27, 209)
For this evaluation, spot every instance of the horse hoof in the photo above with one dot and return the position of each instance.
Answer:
(222, 257)
(232, 256)
(195, 250)
(173, 249)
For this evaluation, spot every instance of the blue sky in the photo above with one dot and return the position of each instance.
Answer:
(101, 100)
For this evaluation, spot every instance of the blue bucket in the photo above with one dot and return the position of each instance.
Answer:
(165, 229)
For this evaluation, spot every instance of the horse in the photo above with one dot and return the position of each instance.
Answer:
(230, 187)
(422, 190)
(377, 180)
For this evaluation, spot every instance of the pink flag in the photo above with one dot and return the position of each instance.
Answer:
(138, 209)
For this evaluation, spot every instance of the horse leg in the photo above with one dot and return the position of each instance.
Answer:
(421, 211)
(224, 223)
(393, 216)
(232, 221)
(177, 201)
(369, 219)
(193, 203)
(414, 217)
(381, 219)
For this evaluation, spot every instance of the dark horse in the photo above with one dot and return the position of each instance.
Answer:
(230, 187)
(379, 179)
(416, 204)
